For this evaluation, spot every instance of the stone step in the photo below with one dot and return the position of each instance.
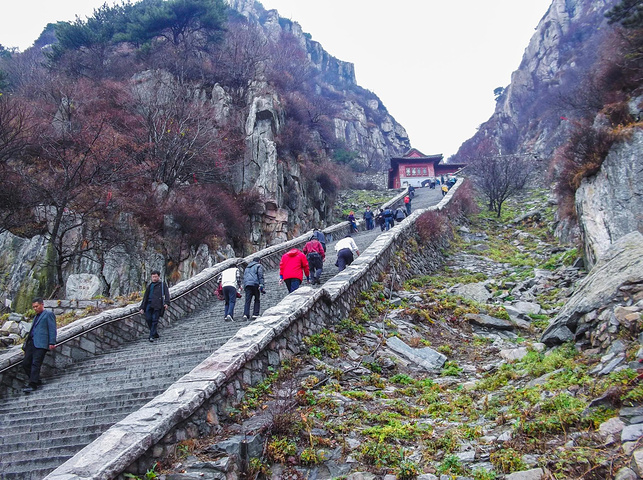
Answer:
(86, 397)
(35, 468)
(55, 436)
(83, 416)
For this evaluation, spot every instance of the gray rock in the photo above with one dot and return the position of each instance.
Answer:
(425, 357)
(473, 291)
(609, 204)
(10, 327)
(626, 473)
(360, 476)
(621, 264)
(534, 474)
(196, 476)
(527, 307)
(629, 412)
(611, 427)
(83, 286)
(488, 321)
(632, 433)
(514, 354)
(637, 461)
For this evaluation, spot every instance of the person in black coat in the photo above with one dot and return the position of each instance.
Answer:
(155, 301)
(42, 338)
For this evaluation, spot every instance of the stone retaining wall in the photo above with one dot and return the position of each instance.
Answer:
(192, 406)
(98, 333)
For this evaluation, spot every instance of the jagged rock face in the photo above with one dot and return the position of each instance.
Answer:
(620, 266)
(530, 116)
(610, 204)
(363, 123)
(292, 202)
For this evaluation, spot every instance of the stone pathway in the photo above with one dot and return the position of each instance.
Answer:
(88, 397)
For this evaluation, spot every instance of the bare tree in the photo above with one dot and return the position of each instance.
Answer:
(499, 177)
(180, 130)
(76, 163)
(240, 60)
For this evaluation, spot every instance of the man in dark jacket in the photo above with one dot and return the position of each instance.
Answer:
(388, 218)
(319, 235)
(155, 301)
(42, 337)
(253, 287)
(368, 218)
(399, 214)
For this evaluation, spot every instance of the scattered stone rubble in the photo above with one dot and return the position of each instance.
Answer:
(609, 335)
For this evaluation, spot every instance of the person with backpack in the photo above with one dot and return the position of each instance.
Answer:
(399, 215)
(315, 254)
(445, 189)
(230, 280)
(407, 204)
(388, 218)
(319, 235)
(379, 219)
(253, 288)
(155, 301)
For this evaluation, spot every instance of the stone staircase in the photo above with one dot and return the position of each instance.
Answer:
(40, 431)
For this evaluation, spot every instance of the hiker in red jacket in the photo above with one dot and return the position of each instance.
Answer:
(292, 268)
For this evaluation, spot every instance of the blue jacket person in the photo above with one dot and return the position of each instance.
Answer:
(42, 337)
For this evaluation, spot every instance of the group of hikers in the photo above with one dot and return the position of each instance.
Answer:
(308, 262)
(295, 264)
(293, 267)
(385, 218)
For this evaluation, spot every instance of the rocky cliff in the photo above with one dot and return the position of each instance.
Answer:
(288, 130)
(361, 126)
(560, 87)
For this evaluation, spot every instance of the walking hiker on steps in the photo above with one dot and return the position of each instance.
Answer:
(399, 215)
(368, 218)
(345, 249)
(41, 338)
(351, 219)
(253, 287)
(315, 255)
(230, 280)
(155, 301)
(292, 268)
(319, 235)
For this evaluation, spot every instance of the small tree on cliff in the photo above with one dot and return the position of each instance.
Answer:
(499, 177)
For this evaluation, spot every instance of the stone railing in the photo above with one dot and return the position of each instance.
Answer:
(192, 406)
(98, 333)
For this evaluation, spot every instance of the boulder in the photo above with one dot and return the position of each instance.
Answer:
(488, 321)
(473, 291)
(621, 264)
(425, 357)
(610, 203)
(527, 308)
(83, 286)
(534, 474)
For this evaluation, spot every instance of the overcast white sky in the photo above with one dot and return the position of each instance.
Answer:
(433, 63)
